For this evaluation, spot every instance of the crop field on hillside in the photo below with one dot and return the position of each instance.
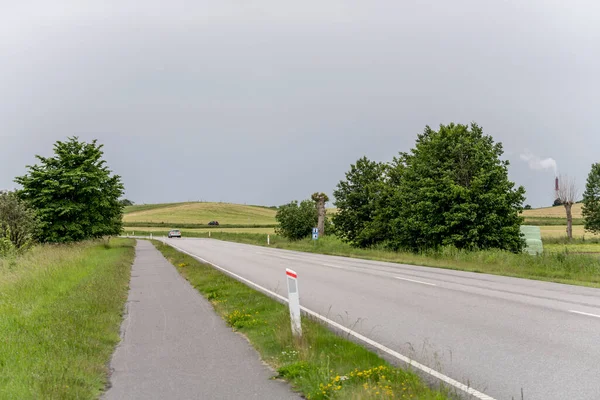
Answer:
(202, 213)
(553, 212)
(558, 231)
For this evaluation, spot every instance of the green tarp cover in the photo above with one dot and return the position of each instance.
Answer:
(533, 239)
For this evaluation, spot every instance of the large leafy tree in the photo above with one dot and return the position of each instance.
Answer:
(356, 199)
(454, 191)
(297, 220)
(74, 193)
(591, 200)
(18, 222)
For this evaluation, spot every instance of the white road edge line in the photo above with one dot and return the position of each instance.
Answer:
(332, 266)
(412, 280)
(393, 353)
(584, 313)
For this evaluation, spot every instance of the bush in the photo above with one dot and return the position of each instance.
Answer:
(296, 220)
(18, 224)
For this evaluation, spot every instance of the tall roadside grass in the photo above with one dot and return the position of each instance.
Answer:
(555, 266)
(60, 311)
(320, 365)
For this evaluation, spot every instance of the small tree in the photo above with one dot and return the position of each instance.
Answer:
(320, 199)
(74, 193)
(527, 207)
(591, 200)
(567, 194)
(18, 222)
(126, 202)
(296, 220)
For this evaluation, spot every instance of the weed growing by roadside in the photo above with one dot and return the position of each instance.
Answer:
(60, 311)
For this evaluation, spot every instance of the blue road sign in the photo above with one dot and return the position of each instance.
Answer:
(315, 233)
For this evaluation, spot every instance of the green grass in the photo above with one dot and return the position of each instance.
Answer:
(561, 267)
(321, 365)
(573, 248)
(200, 213)
(547, 221)
(60, 311)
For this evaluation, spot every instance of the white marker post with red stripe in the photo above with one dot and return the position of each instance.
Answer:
(294, 301)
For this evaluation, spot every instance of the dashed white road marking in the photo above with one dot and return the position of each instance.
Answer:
(332, 266)
(584, 313)
(452, 382)
(415, 281)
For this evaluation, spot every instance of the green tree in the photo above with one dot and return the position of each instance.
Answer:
(356, 200)
(296, 220)
(126, 202)
(591, 200)
(73, 192)
(18, 223)
(454, 191)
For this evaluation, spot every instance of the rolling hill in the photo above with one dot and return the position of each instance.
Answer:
(200, 213)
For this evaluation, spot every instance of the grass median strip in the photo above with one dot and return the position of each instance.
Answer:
(60, 311)
(321, 365)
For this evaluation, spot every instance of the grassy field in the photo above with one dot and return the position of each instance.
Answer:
(321, 365)
(60, 312)
(542, 221)
(148, 207)
(201, 213)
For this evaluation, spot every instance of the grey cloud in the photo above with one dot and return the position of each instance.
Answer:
(270, 102)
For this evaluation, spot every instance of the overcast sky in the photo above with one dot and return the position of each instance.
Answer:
(263, 102)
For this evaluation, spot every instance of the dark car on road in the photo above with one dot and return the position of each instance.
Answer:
(174, 233)
(214, 223)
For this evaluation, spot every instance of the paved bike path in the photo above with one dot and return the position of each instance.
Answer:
(174, 346)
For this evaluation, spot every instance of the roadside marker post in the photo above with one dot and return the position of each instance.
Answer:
(294, 301)
(208, 233)
(268, 239)
(150, 235)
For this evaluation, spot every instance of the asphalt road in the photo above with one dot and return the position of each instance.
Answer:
(174, 346)
(502, 336)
